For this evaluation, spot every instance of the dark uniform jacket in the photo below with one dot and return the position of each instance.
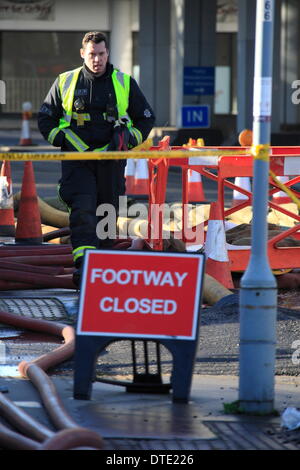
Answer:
(97, 93)
(85, 184)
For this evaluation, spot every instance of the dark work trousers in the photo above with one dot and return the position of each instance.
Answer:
(83, 187)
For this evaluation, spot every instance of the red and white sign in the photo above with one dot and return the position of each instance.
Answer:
(147, 294)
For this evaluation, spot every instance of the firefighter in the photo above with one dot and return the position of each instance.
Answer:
(93, 108)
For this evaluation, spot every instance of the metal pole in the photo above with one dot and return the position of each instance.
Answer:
(258, 295)
(176, 61)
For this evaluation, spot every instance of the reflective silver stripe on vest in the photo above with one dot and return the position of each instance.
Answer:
(137, 134)
(67, 117)
(75, 140)
(101, 149)
(120, 78)
(53, 134)
(67, 84)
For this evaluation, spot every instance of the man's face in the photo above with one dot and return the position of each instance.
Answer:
(95, 57)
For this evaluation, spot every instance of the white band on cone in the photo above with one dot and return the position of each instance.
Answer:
(215, 245)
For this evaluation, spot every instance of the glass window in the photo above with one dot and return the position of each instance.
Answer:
(30, 61)
(225, 81)
(39, 54)
(135, 59)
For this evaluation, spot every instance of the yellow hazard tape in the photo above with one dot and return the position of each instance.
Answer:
(146, 145)
(152, 154)
(261, 152)
(258, 152)
(285, 189)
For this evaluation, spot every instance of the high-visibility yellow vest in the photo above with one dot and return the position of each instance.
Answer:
(67, 84)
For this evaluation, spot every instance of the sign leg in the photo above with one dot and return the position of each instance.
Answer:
(86, 352)
(183, 362)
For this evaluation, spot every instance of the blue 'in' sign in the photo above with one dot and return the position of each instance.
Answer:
(195, 116)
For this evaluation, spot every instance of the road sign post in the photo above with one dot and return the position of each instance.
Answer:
(139, 296)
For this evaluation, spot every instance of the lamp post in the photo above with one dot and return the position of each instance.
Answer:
(258, 294)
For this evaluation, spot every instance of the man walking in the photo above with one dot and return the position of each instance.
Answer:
(94, 107)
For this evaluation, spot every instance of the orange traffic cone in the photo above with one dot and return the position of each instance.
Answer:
(7, 221)
(281, 197)
(195, 187)
(244, 183)
(25, 131)
(130, 176)
(141, 179)
(245, 140)
(217, 261)
(29, 230)
(194, 143)
(191, 143)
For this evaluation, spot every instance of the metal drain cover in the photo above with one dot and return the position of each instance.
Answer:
(44, 308)
(142, 417)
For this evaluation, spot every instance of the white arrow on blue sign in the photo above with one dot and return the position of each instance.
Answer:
(195, 116)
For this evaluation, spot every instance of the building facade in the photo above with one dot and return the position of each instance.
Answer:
(164, 44)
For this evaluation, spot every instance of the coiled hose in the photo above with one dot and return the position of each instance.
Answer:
(39, 437)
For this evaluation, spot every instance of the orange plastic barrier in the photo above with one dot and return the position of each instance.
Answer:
(158, 178)
(283, 165)
(284, 161)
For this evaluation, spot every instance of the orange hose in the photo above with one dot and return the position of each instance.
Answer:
(23, 421)
(37, 279)
(12, 440)
(62, 232)
(54, 270)
(34, 370)
(69, 438)
(7, 285)
(45, 260)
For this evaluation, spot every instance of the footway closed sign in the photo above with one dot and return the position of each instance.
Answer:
(140, 294)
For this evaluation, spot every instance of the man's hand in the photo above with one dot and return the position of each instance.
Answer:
(120, 138)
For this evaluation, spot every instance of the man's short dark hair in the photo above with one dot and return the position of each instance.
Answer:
(96, 37)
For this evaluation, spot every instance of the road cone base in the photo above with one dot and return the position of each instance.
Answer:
(196, 196)
(129, 190)
(29, 241)
(129, 184)
(25, 142)
(141, 187)
(7, 231)
(220, 271)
